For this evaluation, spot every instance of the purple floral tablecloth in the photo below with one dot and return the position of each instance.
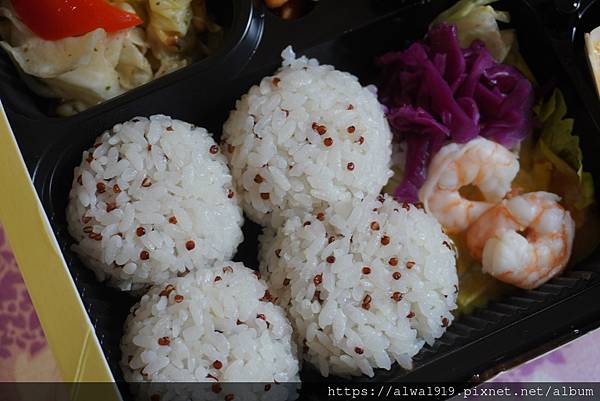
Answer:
(24, 352)
(25, 355)
(576, 361)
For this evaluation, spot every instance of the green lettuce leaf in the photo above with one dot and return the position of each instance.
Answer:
(557, 131)
(554, 162)
(574, 186)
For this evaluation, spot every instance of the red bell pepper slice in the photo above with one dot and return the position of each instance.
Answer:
(58, 19)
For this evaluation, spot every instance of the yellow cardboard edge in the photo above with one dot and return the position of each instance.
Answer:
(64, 320)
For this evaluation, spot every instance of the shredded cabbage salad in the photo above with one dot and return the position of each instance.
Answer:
(82, 71)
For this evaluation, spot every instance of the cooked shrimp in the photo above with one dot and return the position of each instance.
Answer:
(482, 163)
(523, 241)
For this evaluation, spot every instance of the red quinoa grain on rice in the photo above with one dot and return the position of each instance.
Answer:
(363, 296)
(134, 222)
(297, 153)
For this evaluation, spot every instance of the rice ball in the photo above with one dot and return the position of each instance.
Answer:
(306, 137)
(213, 325)
(365, 283)
(151, 199)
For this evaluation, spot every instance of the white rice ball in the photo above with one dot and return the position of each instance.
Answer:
(151, 199)
(213, 325)
(306, 137)
(365, 283)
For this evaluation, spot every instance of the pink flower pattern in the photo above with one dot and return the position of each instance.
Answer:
(20, 329)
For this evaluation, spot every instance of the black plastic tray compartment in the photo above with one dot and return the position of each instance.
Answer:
(348, 35)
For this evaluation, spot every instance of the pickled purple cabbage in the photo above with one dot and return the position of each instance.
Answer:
(435, 93)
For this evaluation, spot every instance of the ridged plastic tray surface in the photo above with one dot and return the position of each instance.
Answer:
(349, 35)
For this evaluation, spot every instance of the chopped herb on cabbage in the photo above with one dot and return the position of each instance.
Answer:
(86, 70)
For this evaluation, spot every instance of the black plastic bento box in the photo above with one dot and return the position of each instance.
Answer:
(349, 35)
